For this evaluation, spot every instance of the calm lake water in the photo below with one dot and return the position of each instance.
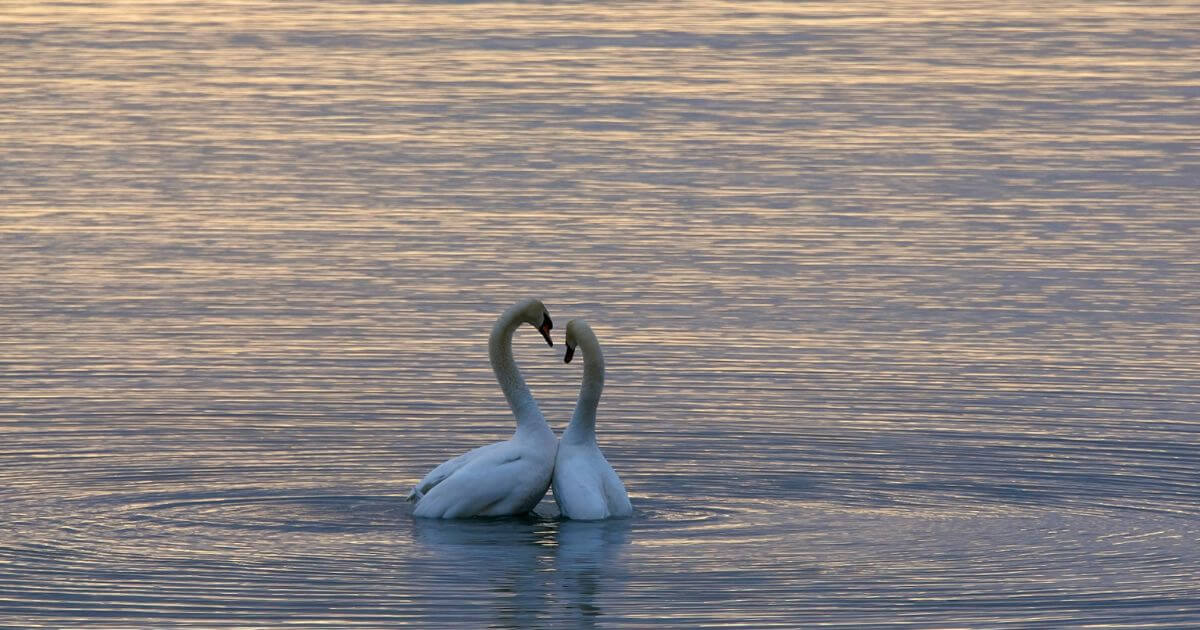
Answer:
(901, 307)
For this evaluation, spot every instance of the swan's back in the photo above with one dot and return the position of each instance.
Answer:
(500, 479)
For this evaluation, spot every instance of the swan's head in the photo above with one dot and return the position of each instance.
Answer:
(576, 329)
(534, 313)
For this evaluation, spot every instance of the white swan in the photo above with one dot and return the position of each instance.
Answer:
(507, 477)
(585, 485)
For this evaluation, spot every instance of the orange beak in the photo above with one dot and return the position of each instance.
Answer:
(545, 329)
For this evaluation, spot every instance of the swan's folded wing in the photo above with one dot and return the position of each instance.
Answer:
(615, 495)
(449, 467)
(483, 486)
(579, 491)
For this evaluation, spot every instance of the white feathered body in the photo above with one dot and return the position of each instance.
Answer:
(505, 478)
(499, 479)
(585, 485)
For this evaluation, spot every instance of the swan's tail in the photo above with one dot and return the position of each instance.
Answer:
(414, 496)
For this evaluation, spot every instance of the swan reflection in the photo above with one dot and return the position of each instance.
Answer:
(501, 563)
(589, 557)
(529, 571)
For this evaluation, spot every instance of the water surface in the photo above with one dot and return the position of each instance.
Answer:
(899, 306)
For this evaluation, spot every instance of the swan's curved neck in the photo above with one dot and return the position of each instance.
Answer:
(520, 399)
(583, 421)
